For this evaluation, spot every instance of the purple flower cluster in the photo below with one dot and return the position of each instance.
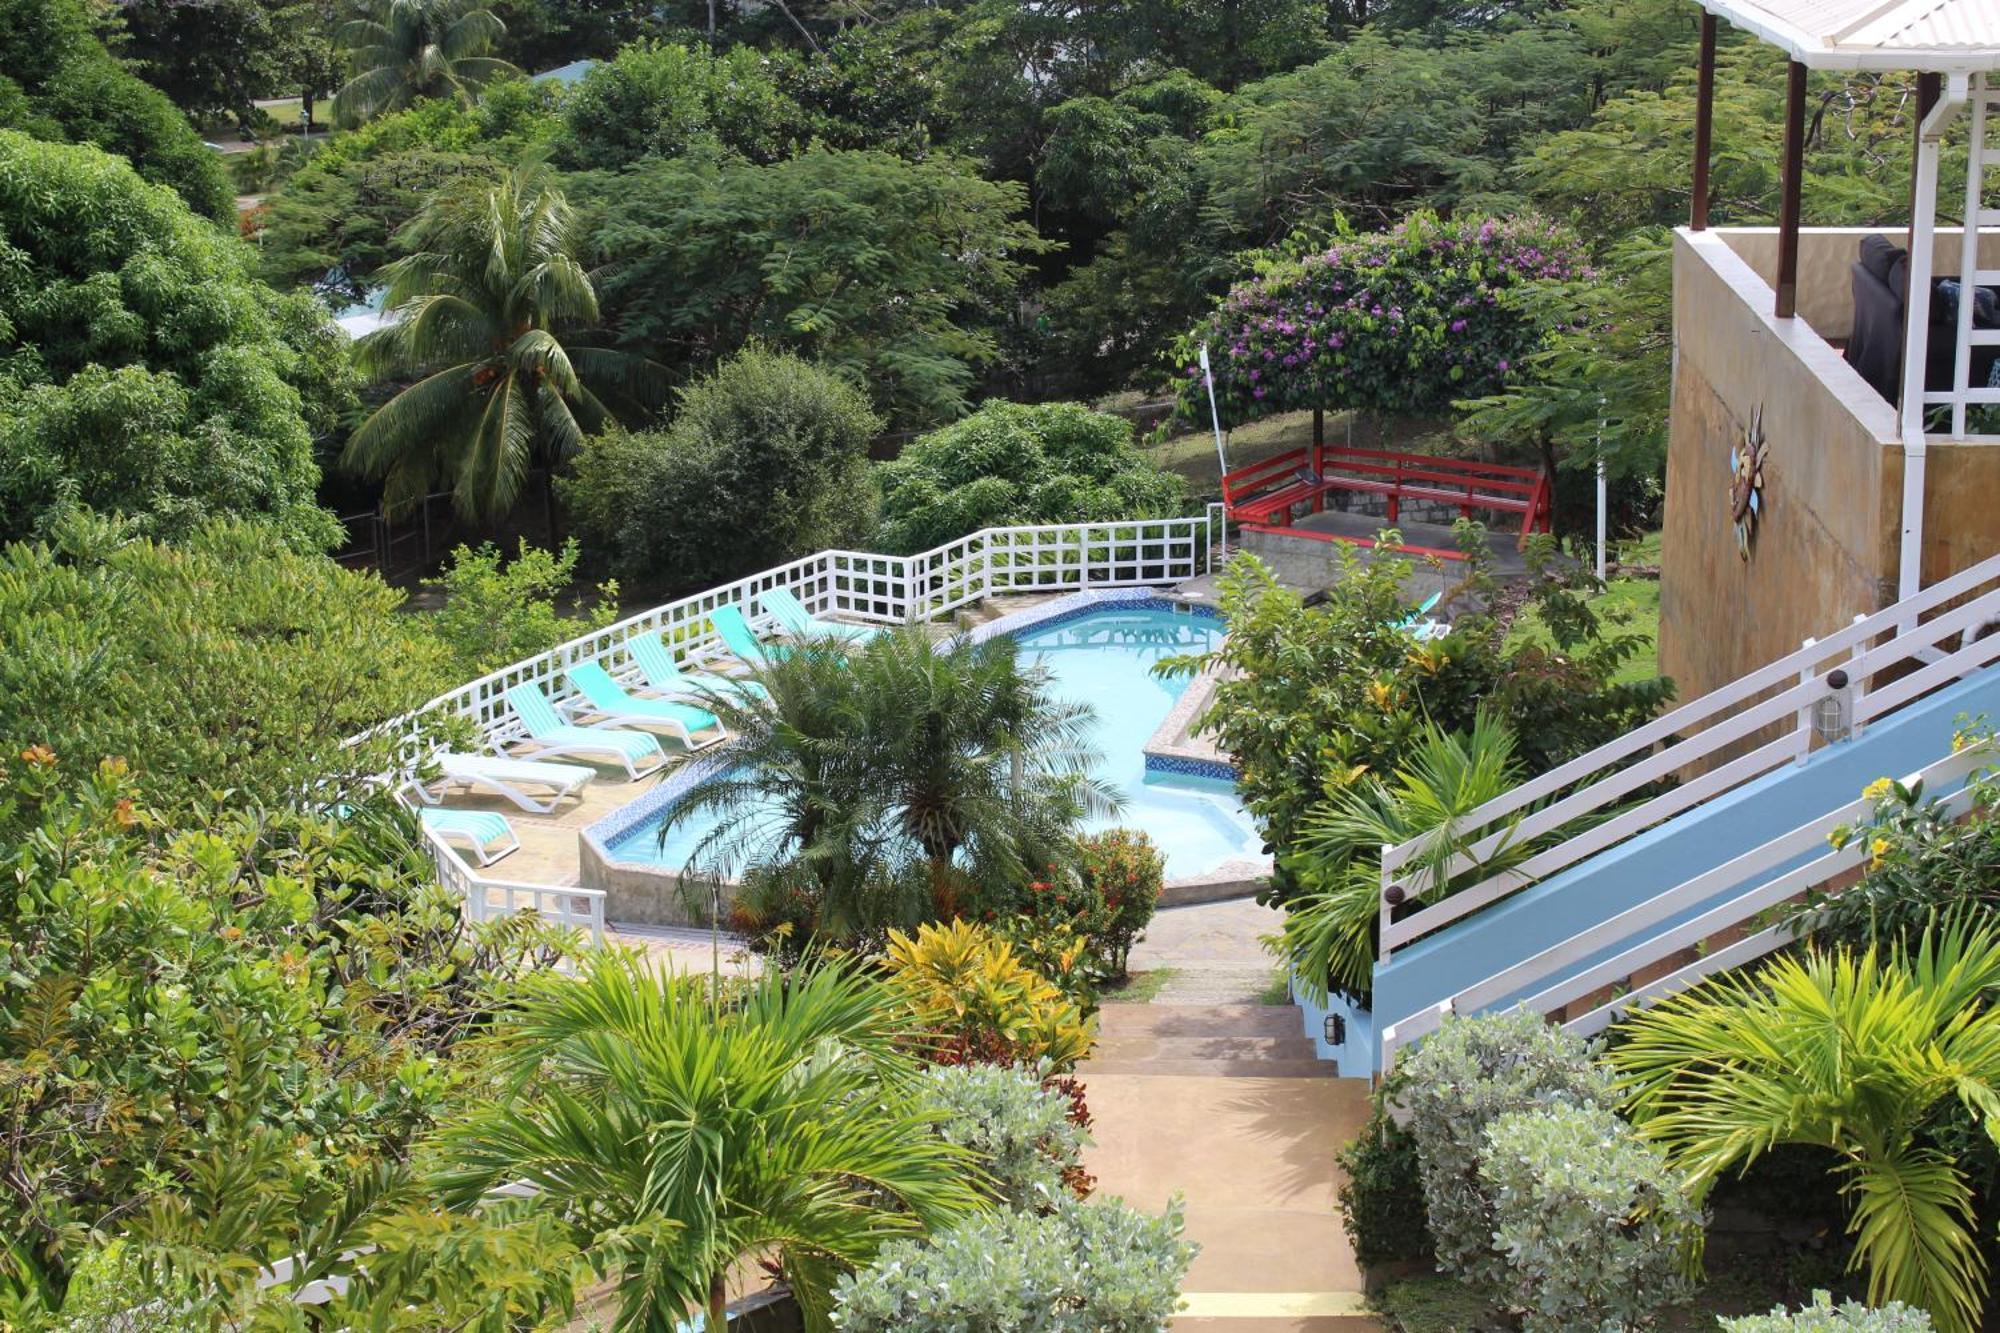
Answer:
(1406, 320)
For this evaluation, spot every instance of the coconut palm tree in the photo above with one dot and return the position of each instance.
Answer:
(482, 317)
(891, 780)
(680, 1134)
(1853, 1051)
(403, 50)
(1330, 927)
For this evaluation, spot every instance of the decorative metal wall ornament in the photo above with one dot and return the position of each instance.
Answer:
(1746, 483)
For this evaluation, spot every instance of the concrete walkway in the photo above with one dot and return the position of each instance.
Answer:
(1203, 1095)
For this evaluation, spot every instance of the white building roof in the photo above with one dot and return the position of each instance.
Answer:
(1943, 36)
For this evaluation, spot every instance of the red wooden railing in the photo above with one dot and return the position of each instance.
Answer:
(1264, 496)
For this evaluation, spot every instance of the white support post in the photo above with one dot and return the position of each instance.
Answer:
(1805, 727)
(1916, 342)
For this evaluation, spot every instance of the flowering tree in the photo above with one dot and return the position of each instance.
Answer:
(1408, 320)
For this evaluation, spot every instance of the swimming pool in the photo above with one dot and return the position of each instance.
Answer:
(1100, 654)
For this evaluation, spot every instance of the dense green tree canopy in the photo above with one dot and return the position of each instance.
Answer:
(656, 100)
(1012, 463)
(145, 370)
(885, 268)
(399, 51)
(223, 664)
(57, 82)
(218, 57)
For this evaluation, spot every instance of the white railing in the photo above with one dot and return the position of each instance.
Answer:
(1824, 688)
(889, 589)
(1752, 902)
(486, 899)
(886, 589)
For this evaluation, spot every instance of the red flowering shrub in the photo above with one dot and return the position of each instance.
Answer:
(1107, 904)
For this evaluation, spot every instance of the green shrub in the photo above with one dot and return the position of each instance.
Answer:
(1124, 870)
(1823, 1316)
(1589, 1221)
(765, 461)
(1015, 463)
(1381, 1189)
(1085, 1268)
(494, 614)
(1923, 861)
(1020, 1128)
(1460, 1080)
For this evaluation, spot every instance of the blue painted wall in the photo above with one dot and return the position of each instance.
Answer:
(1583, 895)
(1356, 1055)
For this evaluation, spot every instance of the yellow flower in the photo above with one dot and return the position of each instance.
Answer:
(1877, 790)
(1876, 850)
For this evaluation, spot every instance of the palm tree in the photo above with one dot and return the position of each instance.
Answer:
(476, 310)
(680, 1134)
(1330, 927)
(890, 779)
(403, 50)
(1855, 1052)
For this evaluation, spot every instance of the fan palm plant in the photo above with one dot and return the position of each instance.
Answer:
(1851, 1051)
(1330, 927)
(681, 1134)
(403, 50)
(480, 313)
(889, 778)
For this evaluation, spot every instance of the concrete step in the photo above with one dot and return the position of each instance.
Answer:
(1210, 1068)
(1148, 1047)
(1200, 1020)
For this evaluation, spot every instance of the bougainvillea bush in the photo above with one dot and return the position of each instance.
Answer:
(1406, 320)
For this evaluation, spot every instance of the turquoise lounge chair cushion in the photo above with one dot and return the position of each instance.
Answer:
(788, 611)
(482, 826)
(608, 696)
(665, 675)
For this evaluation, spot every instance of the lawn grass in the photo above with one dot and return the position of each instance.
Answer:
(1191, 454)
(1629, 604)
(1138, 988)
(1278, 990)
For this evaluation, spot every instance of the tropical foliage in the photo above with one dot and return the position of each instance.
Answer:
(496, 612)
(142, 368)
(676, 1132)
(889, 784)
(399, 51)
(1012, 463)
(1823, 1316)
(216, 1035)
(482, 311)
(227, 671)
(979, 1002)
(1333, 916)
(764, 461)
(1852, 1051)
(1317, 697)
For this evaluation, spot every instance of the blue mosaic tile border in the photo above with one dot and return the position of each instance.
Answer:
(1190, 768)
(607, 833)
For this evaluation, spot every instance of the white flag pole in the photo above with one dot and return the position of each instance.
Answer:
(1600, 490)
(1214, 416)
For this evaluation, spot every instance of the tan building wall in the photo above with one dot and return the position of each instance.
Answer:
(1827, 549)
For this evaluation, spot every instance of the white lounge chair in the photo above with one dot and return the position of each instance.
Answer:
(638, 752)
(506, 777)
(617, 706)
(479, 830)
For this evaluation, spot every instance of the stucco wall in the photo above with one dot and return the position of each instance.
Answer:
(1823, 550)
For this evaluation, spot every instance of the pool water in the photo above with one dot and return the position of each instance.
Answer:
(1103, 658)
